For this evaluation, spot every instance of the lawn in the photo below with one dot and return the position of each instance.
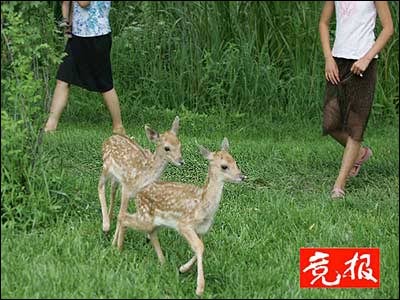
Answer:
(252, 250)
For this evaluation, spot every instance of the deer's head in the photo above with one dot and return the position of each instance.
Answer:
(167, 143)
(222, 164)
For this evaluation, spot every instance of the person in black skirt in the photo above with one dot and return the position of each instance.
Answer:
(87, 63)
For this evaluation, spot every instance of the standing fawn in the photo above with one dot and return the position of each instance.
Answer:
(127, 163)
(187, 208)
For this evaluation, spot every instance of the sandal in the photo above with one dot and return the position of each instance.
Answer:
(357, 164)
(337, 193)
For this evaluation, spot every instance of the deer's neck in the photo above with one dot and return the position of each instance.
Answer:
(212, 193)
(155, 168)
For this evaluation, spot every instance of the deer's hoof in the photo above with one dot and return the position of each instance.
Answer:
(106, 228)
(199, 291)
(183, 269)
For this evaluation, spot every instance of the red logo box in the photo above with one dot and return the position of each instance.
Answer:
(339, 268)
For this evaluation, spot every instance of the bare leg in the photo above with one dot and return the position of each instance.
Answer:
(156, 244)
(342, 137)
(102, 198)
(198, 248)
(111, 100)
(60, 99)
(350, 155)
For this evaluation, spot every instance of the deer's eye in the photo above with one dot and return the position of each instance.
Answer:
(224, 167)
(167, 149)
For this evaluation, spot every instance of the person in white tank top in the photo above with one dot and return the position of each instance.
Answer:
(351, 63)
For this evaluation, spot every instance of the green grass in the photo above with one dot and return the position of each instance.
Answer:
(252, 250)
(259, 67)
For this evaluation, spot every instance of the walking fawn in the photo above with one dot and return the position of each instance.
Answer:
(187, 208)
(127, 163)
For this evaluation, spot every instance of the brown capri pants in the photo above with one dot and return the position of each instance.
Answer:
(347, 105)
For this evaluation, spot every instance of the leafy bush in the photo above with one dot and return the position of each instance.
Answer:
(26, 60)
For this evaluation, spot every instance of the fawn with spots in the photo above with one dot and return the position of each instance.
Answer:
(187, 208)
(126, 163)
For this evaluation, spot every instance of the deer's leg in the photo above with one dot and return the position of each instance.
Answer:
(120, 230)
(156, 244)
(198, 248)
(114, 242)
(114, 186)
(186, 267)
(138, 222)
(102, 197)
(143, 223)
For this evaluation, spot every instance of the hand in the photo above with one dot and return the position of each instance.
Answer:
(360, 66)
(68, 31)
(331, 71)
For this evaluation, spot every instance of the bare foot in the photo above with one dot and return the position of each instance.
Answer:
(51, 125)
(49, 130)
(337, 193)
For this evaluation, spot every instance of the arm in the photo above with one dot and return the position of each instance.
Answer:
(83, 4)
(385, 17)
(65, 9)
(331, 69)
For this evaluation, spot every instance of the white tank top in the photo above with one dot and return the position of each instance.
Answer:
(355, 24)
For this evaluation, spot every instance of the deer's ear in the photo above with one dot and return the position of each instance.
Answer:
(175, 125)
(225, 144)
(207, 154)
(152, 135)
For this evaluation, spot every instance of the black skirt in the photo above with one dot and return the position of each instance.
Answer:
(87, 63)
(347, 106)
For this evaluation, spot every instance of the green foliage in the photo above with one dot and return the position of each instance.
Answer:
(258, 58)
(26, 59)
